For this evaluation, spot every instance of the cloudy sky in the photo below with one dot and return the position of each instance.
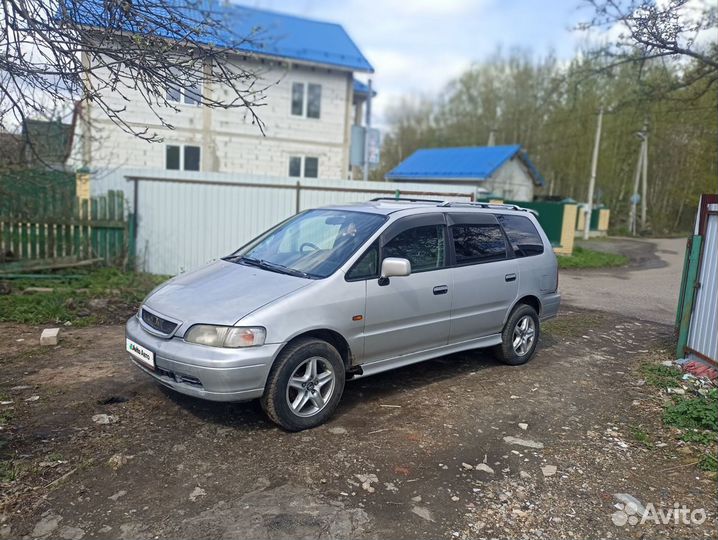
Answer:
(417, 46)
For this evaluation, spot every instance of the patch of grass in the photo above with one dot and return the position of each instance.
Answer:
(5, 417)
(8, 472)
(708, 462)
(699, 437)
(698, 416)
(660, 375)
(71, 300)
(55, 456)
(642, 436)
(588, 258)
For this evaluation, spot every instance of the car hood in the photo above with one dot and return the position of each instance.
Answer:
(220, 293)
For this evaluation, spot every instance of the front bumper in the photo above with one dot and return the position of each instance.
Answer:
(211, 373)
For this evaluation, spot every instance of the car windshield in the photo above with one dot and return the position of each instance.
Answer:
(311, 244)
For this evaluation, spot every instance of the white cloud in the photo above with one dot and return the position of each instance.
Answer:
(418, 46)
(399, 74)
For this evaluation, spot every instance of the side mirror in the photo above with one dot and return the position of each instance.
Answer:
(393, 267)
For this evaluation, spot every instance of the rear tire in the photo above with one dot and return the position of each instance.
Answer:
(305, 385)
(519, 337)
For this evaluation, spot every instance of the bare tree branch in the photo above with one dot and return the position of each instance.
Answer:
(648, 34)
(97, 51)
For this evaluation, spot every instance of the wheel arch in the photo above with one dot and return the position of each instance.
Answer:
(334, 338)
(528, 300)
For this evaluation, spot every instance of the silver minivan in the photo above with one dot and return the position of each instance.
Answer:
(344, 292)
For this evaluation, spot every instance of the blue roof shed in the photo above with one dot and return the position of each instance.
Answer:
(470, 164)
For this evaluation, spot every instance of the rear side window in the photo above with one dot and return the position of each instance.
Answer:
(478, 243)
(422, 246)
(524, 237)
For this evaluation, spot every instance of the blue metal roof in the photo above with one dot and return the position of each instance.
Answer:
(270, 33)
(362, 89)
(469, 163)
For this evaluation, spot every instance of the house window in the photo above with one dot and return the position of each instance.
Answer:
(298, 99)
(314, 100)
(172, 159)
(191, 158)
(295, 166)
(310, 166)
(191, 95)
(306, 100)
(174, 95)
(182, 157)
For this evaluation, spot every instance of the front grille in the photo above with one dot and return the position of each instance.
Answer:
(158, 323)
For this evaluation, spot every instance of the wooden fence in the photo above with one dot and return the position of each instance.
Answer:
(55, 226)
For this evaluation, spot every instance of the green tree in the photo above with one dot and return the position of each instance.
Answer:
(551, 110)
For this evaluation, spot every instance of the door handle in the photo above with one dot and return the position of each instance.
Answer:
(510, 277)
(441, 289)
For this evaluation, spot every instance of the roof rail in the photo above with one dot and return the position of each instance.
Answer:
(496, 206)
(405, 199)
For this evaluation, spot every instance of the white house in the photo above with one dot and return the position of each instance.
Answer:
(308, 114)
(501, 171)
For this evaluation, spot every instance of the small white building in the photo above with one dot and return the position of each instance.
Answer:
(500, 171)
(311, 101)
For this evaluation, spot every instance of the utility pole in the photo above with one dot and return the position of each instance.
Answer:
(492, 138)
(367, 127)
(644, 187)
(592, 180)
(633, 219)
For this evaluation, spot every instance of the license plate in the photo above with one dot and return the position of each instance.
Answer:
(139, 353)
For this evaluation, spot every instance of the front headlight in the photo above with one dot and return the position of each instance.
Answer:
(226, 336)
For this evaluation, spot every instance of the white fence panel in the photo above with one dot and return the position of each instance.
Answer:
(703, 334)
(185, 220)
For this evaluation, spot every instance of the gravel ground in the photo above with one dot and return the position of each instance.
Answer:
(459, 447)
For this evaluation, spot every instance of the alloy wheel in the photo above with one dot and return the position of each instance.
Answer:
(524, 335)
(310, 386)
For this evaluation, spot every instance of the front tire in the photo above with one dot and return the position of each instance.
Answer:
(519, 337)
(305, 385)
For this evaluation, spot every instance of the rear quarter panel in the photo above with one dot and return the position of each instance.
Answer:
(538, 275)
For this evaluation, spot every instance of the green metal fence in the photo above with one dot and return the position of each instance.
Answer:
(53, 225)
(31, 182)
(557, 220)
(687, 292)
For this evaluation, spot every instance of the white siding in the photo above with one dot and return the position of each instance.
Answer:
(182, 225)
(230, 142)
(702, 335)
(512, 181)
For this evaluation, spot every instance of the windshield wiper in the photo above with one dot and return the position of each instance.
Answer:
(267, 265)
(284, 269)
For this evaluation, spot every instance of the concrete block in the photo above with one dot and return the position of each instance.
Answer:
(49, 336)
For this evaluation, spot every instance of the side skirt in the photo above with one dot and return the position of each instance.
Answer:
(379, 366)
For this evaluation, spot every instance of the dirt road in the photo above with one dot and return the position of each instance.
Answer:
(460, 447)
(647, 288)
